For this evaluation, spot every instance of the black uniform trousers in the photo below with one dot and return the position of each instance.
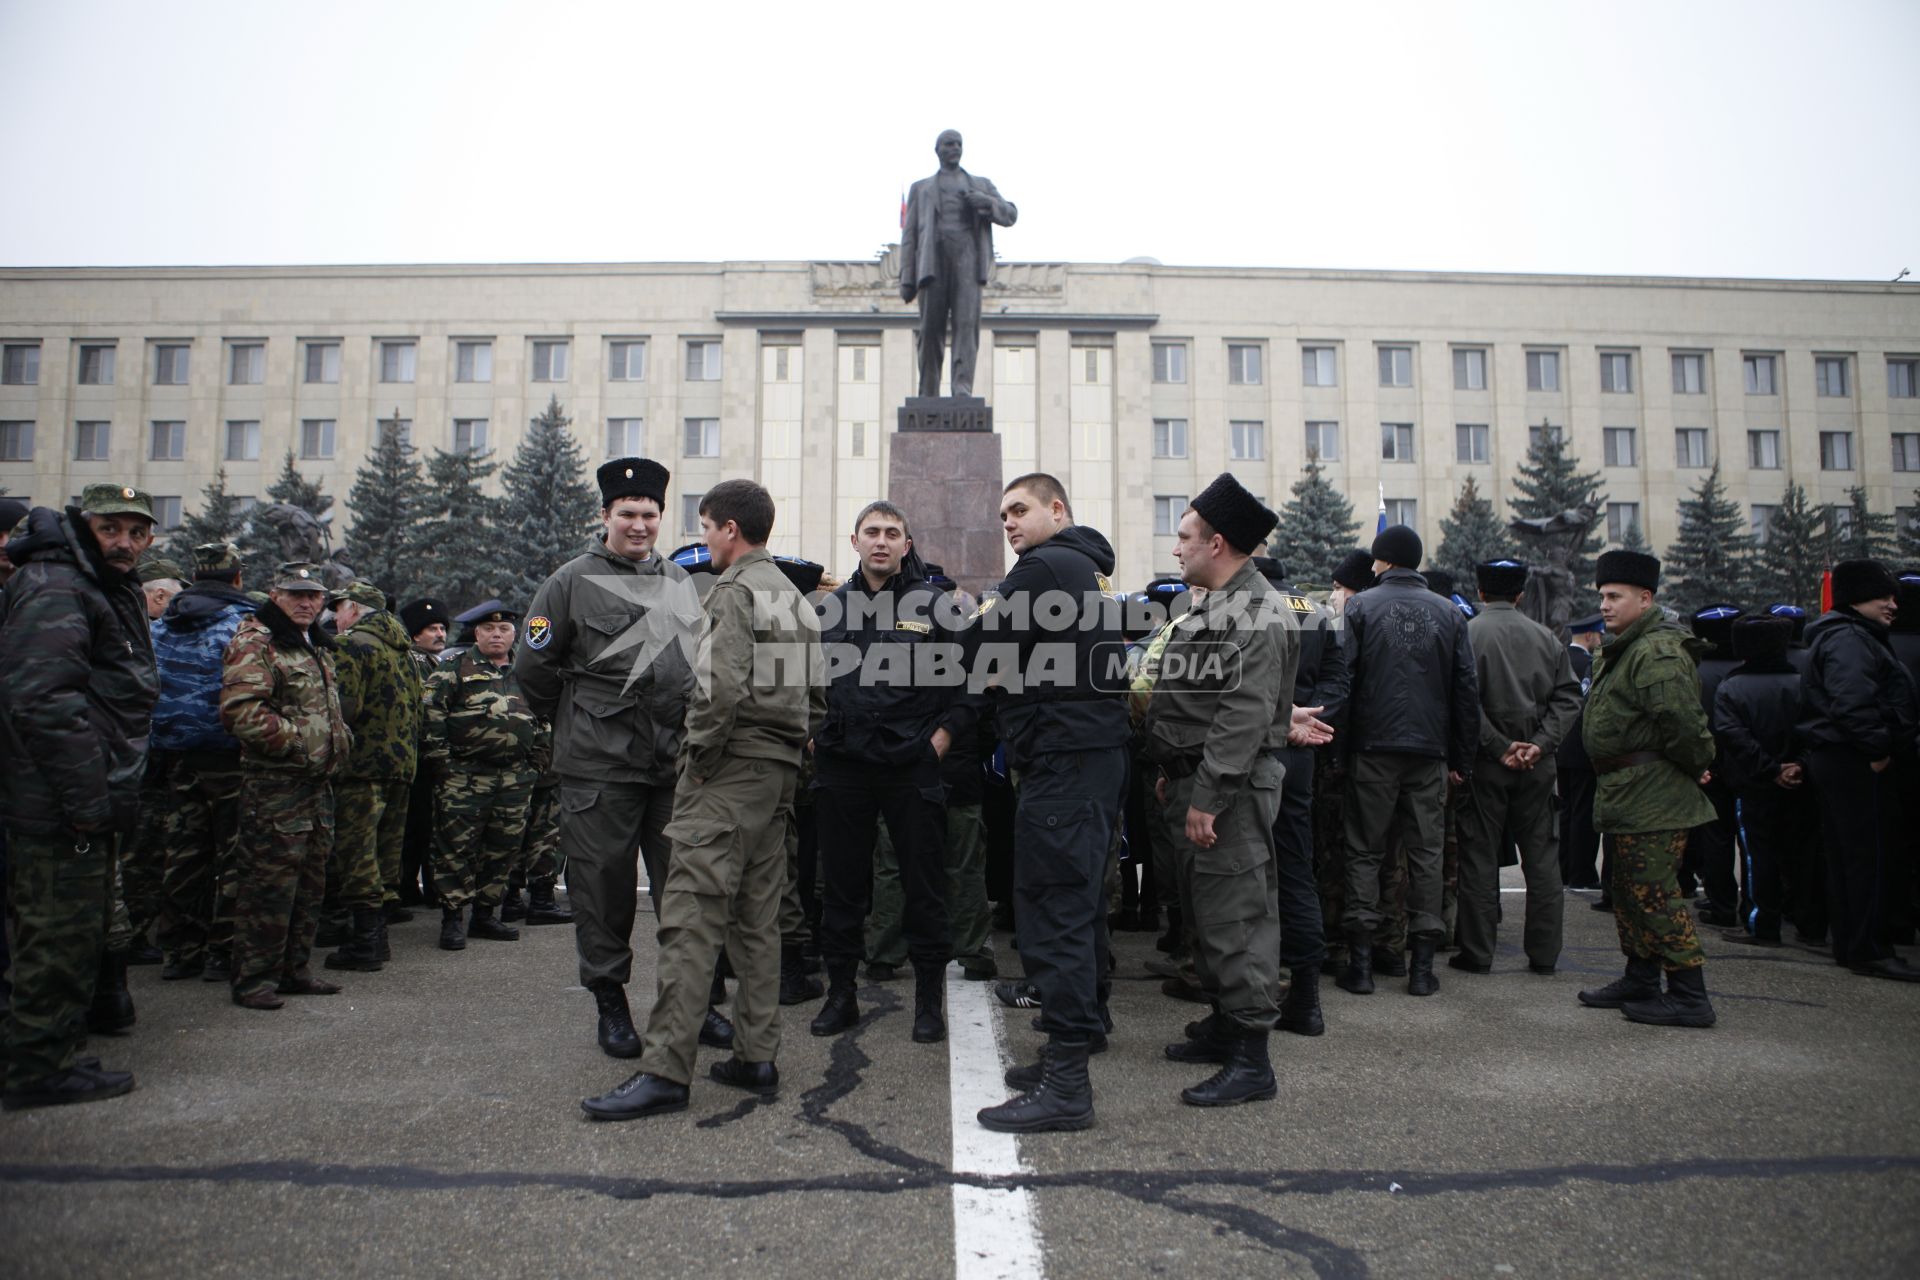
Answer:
(849, 798)
(1773, 827)
(1579, 842)
(1710, 849)
(1860, 816)
(1303, 931)
(1063, 830)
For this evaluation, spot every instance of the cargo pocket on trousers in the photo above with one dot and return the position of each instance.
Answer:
(701, 852)
(1047, 839)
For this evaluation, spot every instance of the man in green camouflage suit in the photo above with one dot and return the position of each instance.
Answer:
(280, 699)
(1647, 732)
(486, 748)
(380, 695)
(75, 708)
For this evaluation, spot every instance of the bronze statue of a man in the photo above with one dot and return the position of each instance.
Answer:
(946, 259)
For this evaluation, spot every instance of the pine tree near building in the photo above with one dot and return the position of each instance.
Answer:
(259, 541)
(549, 508)
(456, 547)
(1550, 481)
(388, 501)
(1789, 563)
(296, 490)
(1471, 535)
(218, 520)
(1863, 534)
(1634, 540)
(1316, 527)
(1712, 559)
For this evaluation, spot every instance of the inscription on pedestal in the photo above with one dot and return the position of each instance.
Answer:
(946, 413)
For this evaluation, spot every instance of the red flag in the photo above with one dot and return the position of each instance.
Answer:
(1826, 591)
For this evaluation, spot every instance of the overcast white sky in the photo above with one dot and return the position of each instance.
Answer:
(1676, 138)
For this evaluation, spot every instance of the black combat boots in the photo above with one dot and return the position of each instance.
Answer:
(1359, 975)
(485, 925)
(1420, 979)
(1300, 1011)
(1026, 1079)
(1064, 1099)
(453, 929)
(1641, 982)
(1208, 1040)
(795, 986)
(618, 1039)
(543, 907)
(929, 1003)
(112, 1009)
(361, 951)
(1246, 1076)
(1684, 1005)
(841, 1012)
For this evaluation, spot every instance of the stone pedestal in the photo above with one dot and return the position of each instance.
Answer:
(948, 483)
(945, 413)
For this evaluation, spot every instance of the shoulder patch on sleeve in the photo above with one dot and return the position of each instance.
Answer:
(539, 631)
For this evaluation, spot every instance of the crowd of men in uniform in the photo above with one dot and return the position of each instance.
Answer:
(812, 773)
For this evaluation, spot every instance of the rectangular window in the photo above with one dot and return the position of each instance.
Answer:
(469, 435)
(1404, 511)
(397, 361)
(316, 437)
(1543, 370)
(857, 360)
(1396, 366)
(96, 366)
(1396, 441)
(690, 512)
(549, 362)
(1617, 446)
(1689, 374)
(20, 364)
(1901, 377)
(167, 441)
(90, 441)
(323, 362)
(1840, 519)
(1247, 441)
(243, 503)
(169, 364)
(1167, 510)
(1906, 451)
(1323, 441)
(703, 362)
(1169, 437)
(16, 442)
(626, 361)
(1092, 355)
(246, 364)
(1243, 365)
(1830, 376)
(626, 437)
(702, 438)
(1622, 516)
(1836, 450)
(243, 441)
(780, 364)
(1690, 447)
(1470, 442)
(1469, 370)
(166, 513)
(1169, 362)
(856, 439)
(1317, 367)
(1616, 371)
(473, 362)
(1760, 521)
(1536, 435)
(402, 425)
(1763, 450)
(1759, 375)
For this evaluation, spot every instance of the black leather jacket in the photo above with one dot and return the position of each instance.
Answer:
(1415, 691)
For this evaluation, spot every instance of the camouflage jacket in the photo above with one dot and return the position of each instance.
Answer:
(479, 720)
(80, 683)
(381, 695)
(280, 699)
(1646, 698)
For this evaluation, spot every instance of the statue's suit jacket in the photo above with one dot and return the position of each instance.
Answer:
(923, 211)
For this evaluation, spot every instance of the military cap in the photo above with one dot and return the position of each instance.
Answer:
(160, 568)
(802, 573)
(298, 575)
(1399, 546)
(1583, 626)
(632, 478)
(1165, 585)
(1355, 570)
(116, 500)
(1501, 577)
(1235, 514)
(12, 512)
(1714, 624)
(362, 593)
(217, 557)
(488, 611)
(1272, 570)
(1629, 568)
(1761, 637)
(1858, 581)
(694, 558)
(417, 615)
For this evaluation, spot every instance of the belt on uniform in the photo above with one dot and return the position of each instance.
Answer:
(1613, 764)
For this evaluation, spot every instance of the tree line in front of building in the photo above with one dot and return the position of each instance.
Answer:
(433, 530)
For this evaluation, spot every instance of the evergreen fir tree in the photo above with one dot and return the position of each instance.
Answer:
(217, 520)
(388, 500)
(549, 508)
(1634, 540)
(1790, 561)
(456, 547)
(1865, 535)
(1316, 527)
(296, 490)
(259, 541)
(1712, 559)
(1550, 481)
(1471, 535)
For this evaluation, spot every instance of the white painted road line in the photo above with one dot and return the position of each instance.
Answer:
(995, 1235)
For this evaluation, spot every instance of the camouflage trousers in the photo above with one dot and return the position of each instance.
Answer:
(368, 838)
(483, 821)
(286, 836)
(969, 918)
(1651, 915)
(143, 859)
(1330, 869)
(198, 884)
(58, 892)
(538, 861)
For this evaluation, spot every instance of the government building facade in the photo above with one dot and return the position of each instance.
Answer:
(1135, 383)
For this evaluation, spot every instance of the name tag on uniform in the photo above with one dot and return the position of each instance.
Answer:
(484, 679)
(918, 628)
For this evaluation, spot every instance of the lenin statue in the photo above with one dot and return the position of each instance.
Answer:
(946, 259)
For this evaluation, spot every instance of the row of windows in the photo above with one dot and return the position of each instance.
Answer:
(396, 360)
(1319, 367)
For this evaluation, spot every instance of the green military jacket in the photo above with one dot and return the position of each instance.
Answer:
(605, 656)
(1223, 688)
(1646, 697)
(1527, 689)
(280, 699)
(762, 679)
(479, 720)
(380, 694)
